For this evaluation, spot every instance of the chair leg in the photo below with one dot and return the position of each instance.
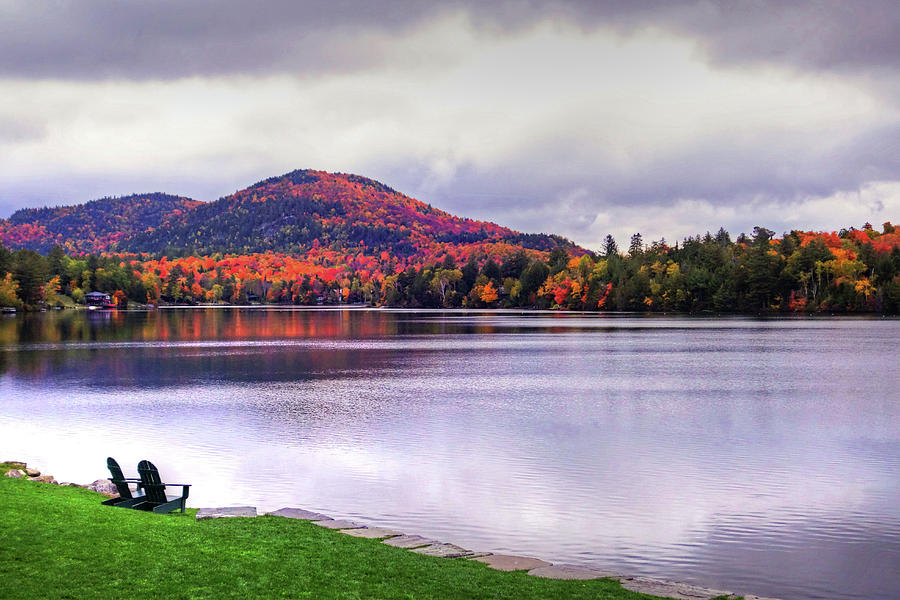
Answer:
(169, 506)
(122, 502)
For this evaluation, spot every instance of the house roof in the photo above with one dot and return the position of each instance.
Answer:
(96, 295)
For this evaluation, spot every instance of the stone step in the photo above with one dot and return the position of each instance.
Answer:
(568, 572)
(372, 533)
(226, 512)
(506, 562)
(299, 513)
(670, 589)
(443, 550)
(409, 541)
(338, 524)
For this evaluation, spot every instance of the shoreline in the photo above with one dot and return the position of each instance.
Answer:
(466, 310)
(422, 545)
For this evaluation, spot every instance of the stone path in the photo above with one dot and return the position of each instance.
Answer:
(428, 547)
(501, 562)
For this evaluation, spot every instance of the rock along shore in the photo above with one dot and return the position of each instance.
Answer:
(425, 546)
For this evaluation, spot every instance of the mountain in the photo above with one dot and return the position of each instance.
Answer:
(290, 214)
(95, 226)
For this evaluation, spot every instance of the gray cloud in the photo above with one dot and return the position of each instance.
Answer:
(17, 130)
(557, 189)
(827, 35)
(719, 169)
(100, 39)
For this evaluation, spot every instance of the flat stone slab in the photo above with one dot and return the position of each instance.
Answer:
(338, 524)
(568, 572)
(226, 512)
(670, 589)
(442, 550)
(299, 513)
(409, 541)
(506, 562)
(372, 533)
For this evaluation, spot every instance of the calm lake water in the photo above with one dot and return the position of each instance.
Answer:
(762, 456)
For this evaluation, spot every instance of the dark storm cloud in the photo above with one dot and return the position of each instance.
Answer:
(98, 39)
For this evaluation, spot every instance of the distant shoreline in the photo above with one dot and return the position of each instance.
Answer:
(467, 310)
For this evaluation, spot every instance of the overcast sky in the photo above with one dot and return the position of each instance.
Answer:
(578, 118)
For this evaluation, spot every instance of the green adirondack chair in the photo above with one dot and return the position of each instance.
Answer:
(126, 499)
(154, 497)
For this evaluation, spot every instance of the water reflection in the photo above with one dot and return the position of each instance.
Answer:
(760, 456)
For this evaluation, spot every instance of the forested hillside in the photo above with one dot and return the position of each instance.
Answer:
(288, 214)
(96, 226)
(293, 212)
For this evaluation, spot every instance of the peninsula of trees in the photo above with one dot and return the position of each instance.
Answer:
(311, 238)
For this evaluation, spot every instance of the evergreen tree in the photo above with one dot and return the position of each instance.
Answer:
(610, 247)
(491, 270)
(636, 246)
(558, 260)
(56, 260)
(30, 270)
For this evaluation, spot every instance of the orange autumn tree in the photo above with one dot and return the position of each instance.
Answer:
(489, 293)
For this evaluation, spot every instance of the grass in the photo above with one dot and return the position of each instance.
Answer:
(59, 542)
(61, 300)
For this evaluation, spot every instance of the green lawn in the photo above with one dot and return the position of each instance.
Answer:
(59, 542)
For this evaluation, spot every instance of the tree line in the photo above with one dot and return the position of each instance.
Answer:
(854, 270)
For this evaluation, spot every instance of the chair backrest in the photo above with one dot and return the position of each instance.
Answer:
(154, 488)
(118, 479)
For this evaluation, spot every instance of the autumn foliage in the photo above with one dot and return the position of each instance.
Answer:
(292, 214)
(96, 226)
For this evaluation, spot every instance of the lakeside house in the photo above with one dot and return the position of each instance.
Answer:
(97, 299)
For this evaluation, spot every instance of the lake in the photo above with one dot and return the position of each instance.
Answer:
(757, 455)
